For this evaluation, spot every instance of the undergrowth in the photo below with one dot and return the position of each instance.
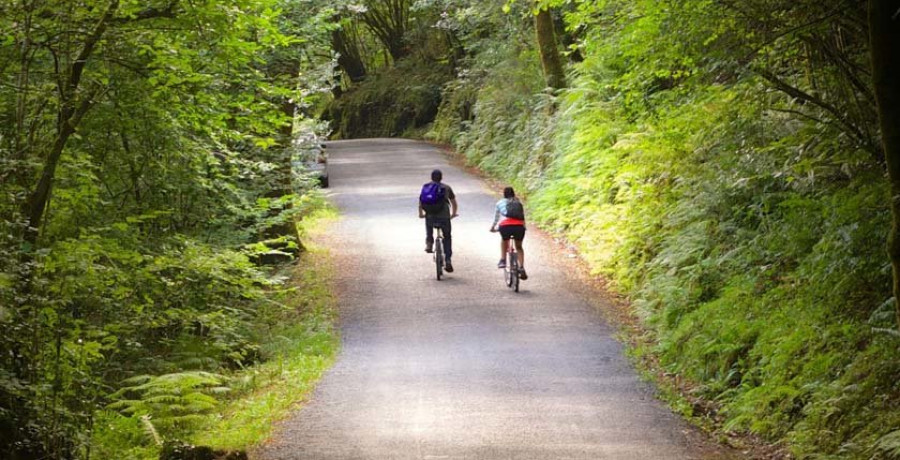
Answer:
(749, 241)
(235, 409)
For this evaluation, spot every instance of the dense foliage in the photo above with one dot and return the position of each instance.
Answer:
(720, 162)
(145, 159)
(400, 100)
(394, 56)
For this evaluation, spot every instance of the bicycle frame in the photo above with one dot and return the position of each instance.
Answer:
(439, 252)
(511, 272)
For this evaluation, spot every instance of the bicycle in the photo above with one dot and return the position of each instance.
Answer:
(439, 252)
(511, 270)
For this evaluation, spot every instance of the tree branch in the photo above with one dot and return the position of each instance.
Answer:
(803, 96)
(151, 13)
(69, 116)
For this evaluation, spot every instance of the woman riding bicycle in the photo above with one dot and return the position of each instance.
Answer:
(511, 226)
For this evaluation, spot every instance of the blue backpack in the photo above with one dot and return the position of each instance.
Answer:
(433, 197)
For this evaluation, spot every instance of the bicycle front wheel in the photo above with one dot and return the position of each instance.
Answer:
(439, 258)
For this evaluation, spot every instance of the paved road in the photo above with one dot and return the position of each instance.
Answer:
(463, 368)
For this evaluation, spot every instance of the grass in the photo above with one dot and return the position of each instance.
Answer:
(298, 342)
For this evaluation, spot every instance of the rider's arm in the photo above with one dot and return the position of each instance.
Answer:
(497, 214)
(454, 208)
(421, 211)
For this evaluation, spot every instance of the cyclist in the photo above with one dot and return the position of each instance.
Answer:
(437, 205)
(512, 226)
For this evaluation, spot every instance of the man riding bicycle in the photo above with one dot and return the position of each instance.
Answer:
(511, 226)
(437, 205)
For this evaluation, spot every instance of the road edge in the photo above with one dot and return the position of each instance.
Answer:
(638, 340)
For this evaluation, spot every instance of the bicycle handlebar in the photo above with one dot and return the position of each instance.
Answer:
(451, 217)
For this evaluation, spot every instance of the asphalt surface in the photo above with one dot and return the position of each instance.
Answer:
(464, 368)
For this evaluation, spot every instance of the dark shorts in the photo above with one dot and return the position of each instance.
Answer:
(517, 232)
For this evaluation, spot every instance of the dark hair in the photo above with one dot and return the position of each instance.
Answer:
(508, 192)
(437, 175)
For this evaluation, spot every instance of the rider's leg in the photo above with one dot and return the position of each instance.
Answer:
(504, 246)
(521, 252)
(448, 239)
(429, 233)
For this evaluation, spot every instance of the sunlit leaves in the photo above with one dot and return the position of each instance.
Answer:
(745, 216)
(141, 264)
(171, 402)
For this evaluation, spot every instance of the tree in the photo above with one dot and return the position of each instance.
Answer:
(549, 51)
(138, 143)
(345, 40)
(389, 21)
(73, 100)
(884, 30)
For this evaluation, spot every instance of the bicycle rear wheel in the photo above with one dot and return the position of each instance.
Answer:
(439, 258)
(514, 271)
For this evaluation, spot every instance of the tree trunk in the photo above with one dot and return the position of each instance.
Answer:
(40, 196)
(884, 30)
(568, 38)
(550, 60)
(70, 114)
(388, 20)
(349, 58)
(288, 228)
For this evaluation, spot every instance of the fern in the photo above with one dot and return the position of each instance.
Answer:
(894, 333)
(176, 402)
(148, 425)
(889, 445)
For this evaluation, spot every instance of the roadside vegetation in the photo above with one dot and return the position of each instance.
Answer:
(151, 278)
(721, 164)
(235, 410)
(728, 166)
(392, 63)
